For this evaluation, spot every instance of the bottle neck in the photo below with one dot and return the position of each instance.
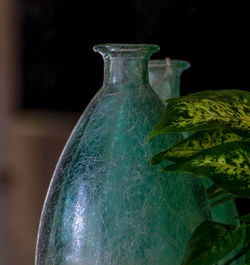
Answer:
(126, 72)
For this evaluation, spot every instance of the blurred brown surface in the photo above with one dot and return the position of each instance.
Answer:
(36, 141)
(7, 257)
(30, 144)
(8, 84)
(9, 77)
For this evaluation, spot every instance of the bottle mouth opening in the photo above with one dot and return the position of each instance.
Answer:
(125, 48)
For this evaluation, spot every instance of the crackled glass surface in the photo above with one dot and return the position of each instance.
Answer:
(106, 205)
(164, 77)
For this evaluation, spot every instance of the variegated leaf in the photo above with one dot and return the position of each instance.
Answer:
(211, 241)
(196, 143)
(205, 111)
(227, 165)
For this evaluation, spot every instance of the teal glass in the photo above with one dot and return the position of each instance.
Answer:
(106, 205)
(164, 76)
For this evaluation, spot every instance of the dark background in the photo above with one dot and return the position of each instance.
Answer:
(61, 72)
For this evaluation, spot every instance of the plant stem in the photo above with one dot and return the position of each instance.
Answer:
(223, 200)
(215, 191)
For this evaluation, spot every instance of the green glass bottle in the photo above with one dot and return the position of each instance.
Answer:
(164, 77)
(106, 205)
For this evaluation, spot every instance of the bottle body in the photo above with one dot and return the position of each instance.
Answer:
(164, 77)
(106, 205)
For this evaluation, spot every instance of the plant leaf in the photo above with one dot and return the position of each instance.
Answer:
(211, 241)
(231, 94)
(205, 111)
(244, 218)
(247, 258)
(245, 134)
(227, 165)
(245, 249)
(196, 143)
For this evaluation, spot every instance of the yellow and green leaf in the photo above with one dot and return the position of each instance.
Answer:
(212, 241)
(227, 165)
(205, 111)
(196, 143)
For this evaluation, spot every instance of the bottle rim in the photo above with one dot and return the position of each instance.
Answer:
(126, 48)
(161, 63)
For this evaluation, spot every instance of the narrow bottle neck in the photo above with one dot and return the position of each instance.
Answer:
(123, 71)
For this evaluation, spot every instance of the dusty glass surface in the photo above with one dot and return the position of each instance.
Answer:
(106, 205)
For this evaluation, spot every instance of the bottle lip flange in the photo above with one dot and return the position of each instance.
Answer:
(162, 63)
(130, 47)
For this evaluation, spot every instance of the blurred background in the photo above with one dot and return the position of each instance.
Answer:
(49, 73)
